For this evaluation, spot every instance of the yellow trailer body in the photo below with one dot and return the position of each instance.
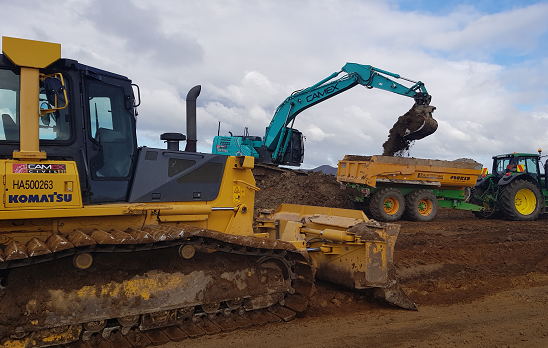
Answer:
(394, 186)
(370, 170)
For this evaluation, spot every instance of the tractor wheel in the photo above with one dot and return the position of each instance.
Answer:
(521, 200)
(421, 205)
(387, 205)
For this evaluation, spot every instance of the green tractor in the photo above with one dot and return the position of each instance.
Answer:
(515, 189)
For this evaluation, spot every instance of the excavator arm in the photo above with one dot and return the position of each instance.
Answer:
(280, 137)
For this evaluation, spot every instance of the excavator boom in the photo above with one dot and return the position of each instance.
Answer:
(282, 144)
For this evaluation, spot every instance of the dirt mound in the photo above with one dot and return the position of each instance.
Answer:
(415, 124)
(316, 189)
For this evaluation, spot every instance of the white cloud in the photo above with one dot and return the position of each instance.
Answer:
(250, 55)
(540, 115)
(316, 134)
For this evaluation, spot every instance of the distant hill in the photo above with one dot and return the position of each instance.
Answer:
(326, 169)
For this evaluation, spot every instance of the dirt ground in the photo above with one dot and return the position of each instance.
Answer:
(477, 283)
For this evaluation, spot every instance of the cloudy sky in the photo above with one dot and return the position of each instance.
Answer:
(484, 62)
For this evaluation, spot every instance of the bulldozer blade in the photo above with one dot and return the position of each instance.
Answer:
(393, 293)
(396, 297)
(345, 247)
(429, 126)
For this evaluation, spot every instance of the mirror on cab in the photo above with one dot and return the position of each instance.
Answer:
(56, 94)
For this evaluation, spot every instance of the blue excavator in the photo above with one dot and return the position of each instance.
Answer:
(283, 145)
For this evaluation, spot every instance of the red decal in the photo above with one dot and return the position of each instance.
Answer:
(19, 167)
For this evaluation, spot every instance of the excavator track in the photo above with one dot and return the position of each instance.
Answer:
(146, 286)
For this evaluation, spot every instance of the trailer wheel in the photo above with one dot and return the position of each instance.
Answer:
(387, 205)
(521, 200)
(421, 205)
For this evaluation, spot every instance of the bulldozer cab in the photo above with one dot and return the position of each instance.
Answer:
(89, 118)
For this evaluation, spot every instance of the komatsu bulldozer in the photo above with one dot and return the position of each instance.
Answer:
(100, 238)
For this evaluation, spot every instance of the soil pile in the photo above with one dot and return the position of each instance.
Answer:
(415, 124)
(313, 188)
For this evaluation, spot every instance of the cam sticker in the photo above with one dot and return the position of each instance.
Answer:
(222, 148)
(38, 168)
(237, 194)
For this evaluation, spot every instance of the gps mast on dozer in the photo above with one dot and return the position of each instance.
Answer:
(282, 144)
(98, 235)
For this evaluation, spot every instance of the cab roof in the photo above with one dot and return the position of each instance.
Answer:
(517, 154)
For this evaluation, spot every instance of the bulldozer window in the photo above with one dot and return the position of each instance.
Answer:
(111, 128)
(53, 126)
(9, 105)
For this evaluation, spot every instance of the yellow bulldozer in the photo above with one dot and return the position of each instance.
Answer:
(98, 235)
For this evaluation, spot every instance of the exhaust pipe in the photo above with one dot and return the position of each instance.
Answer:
(192, 137)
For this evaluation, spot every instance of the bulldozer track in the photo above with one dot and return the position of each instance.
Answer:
(171, 324)
(148, 238)
(197, 326)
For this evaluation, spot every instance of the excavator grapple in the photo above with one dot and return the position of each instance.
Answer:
(415, 124)
(101, 239)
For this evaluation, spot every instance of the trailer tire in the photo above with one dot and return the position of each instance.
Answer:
(387, 205)
(421, 205)
(521, 200)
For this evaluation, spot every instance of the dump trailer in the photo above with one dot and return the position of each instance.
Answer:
(394, 186)
(99, 236)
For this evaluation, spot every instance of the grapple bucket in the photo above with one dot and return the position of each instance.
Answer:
(345, 246)
(415, 124)
(429, 126)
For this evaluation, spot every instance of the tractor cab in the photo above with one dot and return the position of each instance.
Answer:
(504, 165)
(509, 165)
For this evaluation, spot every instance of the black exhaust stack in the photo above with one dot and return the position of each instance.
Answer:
(192, 137)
